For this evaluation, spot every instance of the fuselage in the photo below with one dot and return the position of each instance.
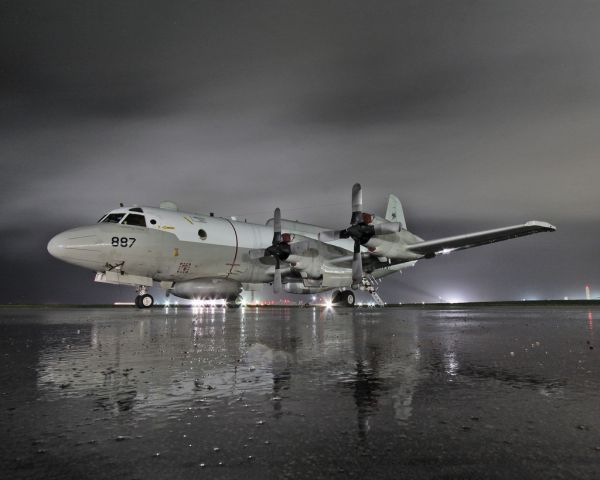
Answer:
(171, 247)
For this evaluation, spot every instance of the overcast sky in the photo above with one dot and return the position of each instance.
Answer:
(476, 114)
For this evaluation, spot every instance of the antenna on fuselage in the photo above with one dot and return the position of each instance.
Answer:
(121, 205)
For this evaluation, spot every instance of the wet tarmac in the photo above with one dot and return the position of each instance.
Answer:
(300, 393)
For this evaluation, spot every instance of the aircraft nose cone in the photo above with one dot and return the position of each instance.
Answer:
(56, 246)
(78, 246)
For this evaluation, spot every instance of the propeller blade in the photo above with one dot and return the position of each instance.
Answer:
(357, 270)
(329, 235)
(256, 254)
(277, 226)
(385, 228)
(356, 204)
(277, 284)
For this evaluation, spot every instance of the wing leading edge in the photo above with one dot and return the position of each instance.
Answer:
(460, 242)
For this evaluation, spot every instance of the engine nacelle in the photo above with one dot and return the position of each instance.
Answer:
(300, 288)
(207, 289)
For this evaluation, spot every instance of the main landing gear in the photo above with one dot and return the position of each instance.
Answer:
(234, 302)
(344, 298)
(143, 299)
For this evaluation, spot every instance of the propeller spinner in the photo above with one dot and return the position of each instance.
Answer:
(360, 230)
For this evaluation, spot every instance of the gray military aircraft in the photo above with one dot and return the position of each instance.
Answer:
(196, 256)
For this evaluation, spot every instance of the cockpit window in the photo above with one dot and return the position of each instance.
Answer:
(136, 209)
(101, 218)
(135, 219)
(113, 218)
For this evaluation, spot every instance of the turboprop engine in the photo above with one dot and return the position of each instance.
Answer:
(207, 289)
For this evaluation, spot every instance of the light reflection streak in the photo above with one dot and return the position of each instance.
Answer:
(451, 363)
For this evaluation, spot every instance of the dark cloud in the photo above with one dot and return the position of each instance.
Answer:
(475, 114)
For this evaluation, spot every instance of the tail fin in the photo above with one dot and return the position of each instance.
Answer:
(394, 211)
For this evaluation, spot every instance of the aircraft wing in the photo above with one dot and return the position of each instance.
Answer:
(460, 242)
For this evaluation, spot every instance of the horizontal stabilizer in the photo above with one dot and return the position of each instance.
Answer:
(469, 240)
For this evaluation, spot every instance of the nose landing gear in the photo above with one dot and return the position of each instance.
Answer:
(143, 299)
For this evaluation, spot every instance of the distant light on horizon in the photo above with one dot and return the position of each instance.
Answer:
(453, 297)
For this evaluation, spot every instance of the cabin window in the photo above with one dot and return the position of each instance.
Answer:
(153, 222)
(113, 218)
(202, 234)
(135, 219)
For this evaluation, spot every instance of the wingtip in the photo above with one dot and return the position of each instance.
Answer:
(543, 225)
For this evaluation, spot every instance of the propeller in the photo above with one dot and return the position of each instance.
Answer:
(280, 249)
(360, 230)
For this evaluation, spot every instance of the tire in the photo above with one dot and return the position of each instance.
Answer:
(350, 299)
(146, 301)
(345, 298)
(137, 302)
(234, 302)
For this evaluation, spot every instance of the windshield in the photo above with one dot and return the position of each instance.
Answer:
(113, 218)
(135, 219)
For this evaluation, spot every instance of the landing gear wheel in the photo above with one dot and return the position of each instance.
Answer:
(348, 299)
(235, 302)
(345, 298)
(144, 301)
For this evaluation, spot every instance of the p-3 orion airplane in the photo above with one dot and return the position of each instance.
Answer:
(204, 257)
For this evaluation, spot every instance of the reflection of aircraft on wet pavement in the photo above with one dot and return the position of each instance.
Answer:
(234, 359)
(358, 367)
(206, 257)
(383, 365)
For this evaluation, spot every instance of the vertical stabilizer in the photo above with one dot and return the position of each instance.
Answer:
(394, 211)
